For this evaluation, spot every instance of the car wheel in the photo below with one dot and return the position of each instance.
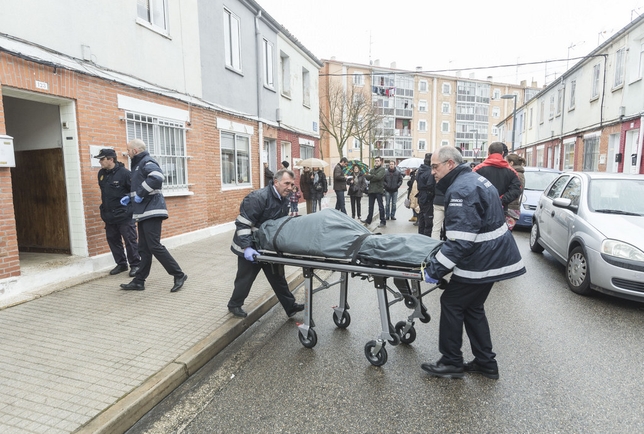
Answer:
(578, 273)
(534, 239)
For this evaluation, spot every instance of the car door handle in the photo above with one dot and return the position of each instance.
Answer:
(552, 214)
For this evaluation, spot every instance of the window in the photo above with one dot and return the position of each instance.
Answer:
(422, 105)
(165, 140)
(445, 127)
(496, 94)
(306, 88)
(447, 88)
(445, 108)
(620, 58)
(422, 86)
(540, 151)
(640, 71)
(358, 79)
(356, 143)
(307, 150)
(595, 85)
(152, 12)
(531, 117)
(444, 142)
(422, 145)
(557, 187)
(232, 41)
(573, 90)
(552, 107)
(422, 125)
(542, 111)
(496, 112)
(572, 191)
(495, 131)
(285, 66)
(591, 153)
(569, 156)
(559, 101)
(235, 159)
(268, 64)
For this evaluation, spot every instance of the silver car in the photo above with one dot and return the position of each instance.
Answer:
(593, 223)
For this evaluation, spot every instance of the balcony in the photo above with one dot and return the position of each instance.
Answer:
(403, 133)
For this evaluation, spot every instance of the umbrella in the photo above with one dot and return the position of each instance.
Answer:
(411, 163)
(349, 169)
(312, 162)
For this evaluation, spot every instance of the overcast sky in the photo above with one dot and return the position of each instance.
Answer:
(440, 35)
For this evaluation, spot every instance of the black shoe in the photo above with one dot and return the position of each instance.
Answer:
(393, 218)
(118, 269)
(297, 307)
(178, 282)
(443, 371)
(133, 271)
(365, 222)
(132, 286)
(238, 312)
(382, 225)
(475, 368)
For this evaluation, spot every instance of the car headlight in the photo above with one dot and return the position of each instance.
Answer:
(622, 250)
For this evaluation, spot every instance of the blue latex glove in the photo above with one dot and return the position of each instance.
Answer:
(137, 198)
(250, 253)
(430, 279)
(125, 200)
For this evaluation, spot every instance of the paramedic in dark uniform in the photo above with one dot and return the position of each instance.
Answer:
(268, 203)
(479, 251)
(149, 211)
(114, 181)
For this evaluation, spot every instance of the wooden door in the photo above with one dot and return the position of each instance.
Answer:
(40, 201)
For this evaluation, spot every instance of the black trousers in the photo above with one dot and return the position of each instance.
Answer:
(355, 206)
(150, 245)
(120, 233)
(247, 273)
(339, 201)
(373, 197)
(426, 219)
(462, 304)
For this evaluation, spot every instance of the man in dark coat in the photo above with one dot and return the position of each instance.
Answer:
(340, 184)
(114, 181)
(479, 251)
(500, 174)
(268, 203)
(376, 177)
(392, 182)
(425, 184)
(305, 188)
(268, 175)
(149, 212)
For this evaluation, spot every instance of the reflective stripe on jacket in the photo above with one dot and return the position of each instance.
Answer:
(147, 180)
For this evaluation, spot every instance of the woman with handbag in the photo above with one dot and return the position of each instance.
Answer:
(318, 188)
(357, 187)
(513, 213)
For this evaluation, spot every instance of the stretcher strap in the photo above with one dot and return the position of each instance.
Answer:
(354, 248)
(277, 232)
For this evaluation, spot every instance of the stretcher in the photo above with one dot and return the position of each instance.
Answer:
(406, 281)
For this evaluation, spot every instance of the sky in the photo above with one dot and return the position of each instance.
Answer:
(456, 34)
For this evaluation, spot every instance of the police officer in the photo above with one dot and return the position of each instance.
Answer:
(114, 181)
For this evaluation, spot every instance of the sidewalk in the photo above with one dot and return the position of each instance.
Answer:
(94, 359)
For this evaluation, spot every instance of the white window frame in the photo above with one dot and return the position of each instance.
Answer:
(552, 107)
(356, 143)
(444, 142)
(542, 111)
(306, 88)
(640, 65)
(232, 41)
(165, 141)
(496, 94)
(620, 62)
(496, 112)
(422, 86)
(445, 108)
(559, 101)
(447, 86)
(445, 127)
(358, 79)
(269, 64)
(422, 106)
(569, 155)
(422, 144)
(422, 125)
(572, 96)
(495, 131)
(231, 157)
(531, 117)
(153, 14)
(285, 67)
(594, 91)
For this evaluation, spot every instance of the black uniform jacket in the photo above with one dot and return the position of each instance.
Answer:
(114, 184)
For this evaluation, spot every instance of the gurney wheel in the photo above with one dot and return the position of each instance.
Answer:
(425, 318)
(310, 340)
(410, 302)
(395, 337)
(343, 322)
(378, 359)
(408, 337)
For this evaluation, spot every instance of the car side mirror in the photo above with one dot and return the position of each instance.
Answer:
(561, 202)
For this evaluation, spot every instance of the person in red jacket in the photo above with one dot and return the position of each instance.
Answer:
(500, 174)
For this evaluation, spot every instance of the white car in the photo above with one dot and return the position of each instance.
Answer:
(593, 223)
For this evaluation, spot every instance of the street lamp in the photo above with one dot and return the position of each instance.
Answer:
(514, 116)
(476, 143)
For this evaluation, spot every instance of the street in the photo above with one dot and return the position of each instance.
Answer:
(567, 364)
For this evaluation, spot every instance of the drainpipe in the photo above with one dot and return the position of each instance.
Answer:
(259, 69)
(563, 110)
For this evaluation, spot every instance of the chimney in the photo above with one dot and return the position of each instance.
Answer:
(489, 78)
(524, 83)
(419, 68)
(392, 65)
(376, 62)
(534, 84)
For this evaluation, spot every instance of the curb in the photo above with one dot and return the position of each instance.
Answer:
(125, 412)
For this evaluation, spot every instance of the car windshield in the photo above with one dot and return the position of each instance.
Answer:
(617, 196)
(538, 180)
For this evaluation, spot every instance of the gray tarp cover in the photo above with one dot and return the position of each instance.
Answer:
(331, 234)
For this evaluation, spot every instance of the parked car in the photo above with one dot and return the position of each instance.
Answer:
(593, 223)
(536, 180)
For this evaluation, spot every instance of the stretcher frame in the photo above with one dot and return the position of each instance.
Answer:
(406, 281)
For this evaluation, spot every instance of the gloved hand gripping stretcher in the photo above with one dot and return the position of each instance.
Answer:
(330, 240)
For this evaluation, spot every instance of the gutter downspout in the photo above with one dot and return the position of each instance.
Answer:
(259, 69)
(563, 111)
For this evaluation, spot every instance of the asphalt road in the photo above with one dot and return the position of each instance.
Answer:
(567, 364)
